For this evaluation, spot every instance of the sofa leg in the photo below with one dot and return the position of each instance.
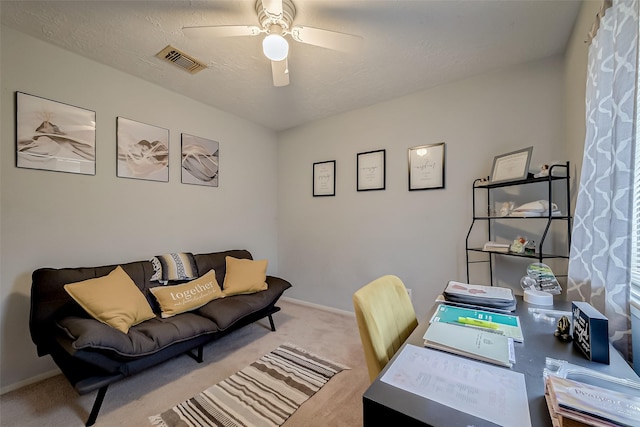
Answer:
(197, 357)
(273, 326)
(96, 406)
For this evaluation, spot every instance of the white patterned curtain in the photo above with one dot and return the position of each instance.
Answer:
(601, 243)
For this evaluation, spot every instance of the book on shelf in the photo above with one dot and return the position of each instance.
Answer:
(474, 343)
(492, 246)
(534, 214)
(480, 295)
(505, 324)
(575, 401)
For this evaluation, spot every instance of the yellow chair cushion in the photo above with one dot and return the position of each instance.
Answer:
(187, 296)
(113, 299)
(244, 276)
(385, 319)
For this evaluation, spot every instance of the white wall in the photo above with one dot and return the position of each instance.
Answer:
(575, 82)
(67, 220)
(330, 246)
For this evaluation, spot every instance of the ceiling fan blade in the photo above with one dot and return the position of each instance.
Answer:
(273, 6)
(221, 31)
(280, 71)
(325, 38)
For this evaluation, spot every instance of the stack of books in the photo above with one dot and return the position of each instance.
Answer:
(491, 246)
(572, 403)
(494, 297)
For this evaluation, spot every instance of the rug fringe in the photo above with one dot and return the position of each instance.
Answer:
(302, 350)
(157, 420)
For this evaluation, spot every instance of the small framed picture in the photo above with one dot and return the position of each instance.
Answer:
(200, 161)
(54, 136)
(511, 166)
(426, 167)
(324, 178)
(143, 151)
(371, 170)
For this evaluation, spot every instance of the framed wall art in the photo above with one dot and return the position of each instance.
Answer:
(143, 151)
(54, 136)
(200, 161)
(324, 178)
(511, 166)
(426, 167)
(370, 167)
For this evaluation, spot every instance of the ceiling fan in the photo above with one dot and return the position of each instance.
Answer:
(276, 19)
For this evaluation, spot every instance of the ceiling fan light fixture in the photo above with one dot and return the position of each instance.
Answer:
(275, 47)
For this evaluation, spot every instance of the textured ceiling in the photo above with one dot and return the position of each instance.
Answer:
(408, 46)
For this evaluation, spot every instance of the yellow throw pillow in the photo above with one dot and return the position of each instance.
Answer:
(113, 299)
(187, 296)
(244, 276)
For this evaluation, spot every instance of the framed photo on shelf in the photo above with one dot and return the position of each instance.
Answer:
(324, 178)
(143, 151)
(200, 161)
(54, 136)
(511, 166)
(371, 170)
(426, 167)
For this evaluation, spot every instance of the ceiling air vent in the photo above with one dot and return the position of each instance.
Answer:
(181, 59)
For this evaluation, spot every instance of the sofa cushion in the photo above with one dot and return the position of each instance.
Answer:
(114, 300)
(227, 311)
(174, 266)
(188, 296)
(244, 276)
(141, 340)
(216, 261)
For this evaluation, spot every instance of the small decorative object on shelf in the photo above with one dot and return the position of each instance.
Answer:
(563, 330)
(530, 247)
(517, 247)
(544, 171)
(506, 208)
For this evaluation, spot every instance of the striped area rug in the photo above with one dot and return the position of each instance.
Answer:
(264, 393)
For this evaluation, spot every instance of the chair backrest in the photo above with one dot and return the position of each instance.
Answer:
(385, 318)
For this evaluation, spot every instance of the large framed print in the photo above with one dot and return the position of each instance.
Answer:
(54, 136)
(324, 178)
(511, 166)
(200, 161)
(426, 167)
(371, 170)
(143, 151)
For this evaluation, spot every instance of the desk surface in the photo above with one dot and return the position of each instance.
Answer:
(383, 403)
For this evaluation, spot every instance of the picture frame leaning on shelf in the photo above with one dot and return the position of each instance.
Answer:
(511, 166)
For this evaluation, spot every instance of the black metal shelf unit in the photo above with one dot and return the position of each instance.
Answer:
(557, 172)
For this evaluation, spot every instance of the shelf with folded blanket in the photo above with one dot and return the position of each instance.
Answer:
(495, 218)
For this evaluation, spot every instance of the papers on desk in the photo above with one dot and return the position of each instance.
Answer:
(471, 342)
(489, 392)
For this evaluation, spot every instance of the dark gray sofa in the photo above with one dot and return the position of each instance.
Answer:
(93, 355)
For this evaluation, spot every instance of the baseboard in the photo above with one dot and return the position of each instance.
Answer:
(30, 381)
(318, 306)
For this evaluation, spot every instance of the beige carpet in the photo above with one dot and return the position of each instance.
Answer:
(53, 402)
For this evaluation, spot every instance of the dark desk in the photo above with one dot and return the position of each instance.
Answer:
(384, 404)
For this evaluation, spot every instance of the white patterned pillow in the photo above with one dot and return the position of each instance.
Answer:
(174, 266)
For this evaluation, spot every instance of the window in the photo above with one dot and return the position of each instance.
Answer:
(635, 227)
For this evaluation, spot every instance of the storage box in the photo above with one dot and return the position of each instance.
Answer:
(590, 332)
